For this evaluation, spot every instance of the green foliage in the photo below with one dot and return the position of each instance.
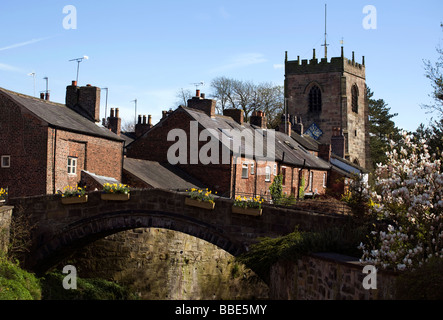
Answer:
(286, 200)
(424, 283)
(87, 289)
(301, 189)
(381, 128)
(17, 284)
(293, 246)
(276, 188)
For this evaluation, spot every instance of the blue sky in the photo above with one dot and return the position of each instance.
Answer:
(150, 50)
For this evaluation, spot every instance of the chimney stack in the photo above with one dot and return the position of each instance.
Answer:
(338, 142)
(84, 100)
(324, 152)
(202, 104)
(258, 118)
(115, 123)
(285, 125)
(142, 126)
(236, 114)
(298, 125)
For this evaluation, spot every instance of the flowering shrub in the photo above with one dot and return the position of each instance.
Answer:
(201, 195)
(244, 202)
(409, 199)
(3, 194)
(116, 188)
(70, 192)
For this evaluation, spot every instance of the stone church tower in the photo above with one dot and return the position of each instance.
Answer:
(328, 100)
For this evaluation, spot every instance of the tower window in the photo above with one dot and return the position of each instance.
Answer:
(315, 99)
(354, 92)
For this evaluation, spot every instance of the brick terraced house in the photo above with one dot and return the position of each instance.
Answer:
(45, 146)
(243, 173)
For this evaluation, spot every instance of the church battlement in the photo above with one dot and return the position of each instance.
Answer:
(336, 64)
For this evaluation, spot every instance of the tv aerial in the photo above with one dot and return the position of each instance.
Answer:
(198, 84)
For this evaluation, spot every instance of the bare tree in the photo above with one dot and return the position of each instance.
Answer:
(245, 95)
(434, 72)
(183, 96)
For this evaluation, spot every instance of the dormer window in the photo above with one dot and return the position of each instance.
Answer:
(315, 103)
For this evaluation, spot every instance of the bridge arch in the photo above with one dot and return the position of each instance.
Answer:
(85, 231)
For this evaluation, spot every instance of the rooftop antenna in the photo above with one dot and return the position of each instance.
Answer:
(78, 60)
(135, 118)
(106, 104)
(198, 84)
(32, 74)
(47, 79)
(326, 35)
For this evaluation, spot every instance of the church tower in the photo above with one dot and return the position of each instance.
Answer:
(329, 99)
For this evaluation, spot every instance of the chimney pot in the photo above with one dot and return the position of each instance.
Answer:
(74, 83)
(47, 96)
(112, 113)
(42, 95)
(144, 119)
(88, 85)
(203, 96)
(197, 93)
(117, 113)
(150, 120)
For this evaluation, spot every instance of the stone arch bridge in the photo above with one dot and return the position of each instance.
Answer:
(58, 229)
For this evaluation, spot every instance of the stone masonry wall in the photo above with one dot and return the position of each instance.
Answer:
(160, 264)
(327, 277)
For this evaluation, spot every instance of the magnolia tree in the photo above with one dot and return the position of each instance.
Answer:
(408, 197)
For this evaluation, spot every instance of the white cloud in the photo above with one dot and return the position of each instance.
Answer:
(240, 61)
(223, 13)
(7, 67)
(278, 66)
(22, 44)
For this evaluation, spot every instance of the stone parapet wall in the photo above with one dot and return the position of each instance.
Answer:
(327, 276)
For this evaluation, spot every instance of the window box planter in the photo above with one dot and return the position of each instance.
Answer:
(115, 196)
(200, 204)
(75, 200)
(256, 212)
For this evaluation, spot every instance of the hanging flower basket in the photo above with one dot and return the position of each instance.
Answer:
(208, 205)
(248, 206)
(247, 211)
(75, 200)
(115, 196)
(73, 195)
(115, 192)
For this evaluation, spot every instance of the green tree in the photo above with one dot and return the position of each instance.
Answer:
(381, 128)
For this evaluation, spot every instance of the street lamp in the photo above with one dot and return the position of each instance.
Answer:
(78, 60)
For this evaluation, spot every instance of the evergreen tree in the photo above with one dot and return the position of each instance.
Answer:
(381, 128)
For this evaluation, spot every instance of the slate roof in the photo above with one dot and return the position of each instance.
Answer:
(287, 150)
(59, 116)
(162, 176)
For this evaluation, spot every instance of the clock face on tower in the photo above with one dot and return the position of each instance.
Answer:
(314, 131)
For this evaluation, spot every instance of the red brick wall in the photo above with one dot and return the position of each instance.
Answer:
(96, 155)
(24, 138)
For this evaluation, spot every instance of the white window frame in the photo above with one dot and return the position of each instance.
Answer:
(324, 179)
(245, 166)
(275, 169)
(8, 161)
(72, 165)
(268, 174)
(252, 168)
